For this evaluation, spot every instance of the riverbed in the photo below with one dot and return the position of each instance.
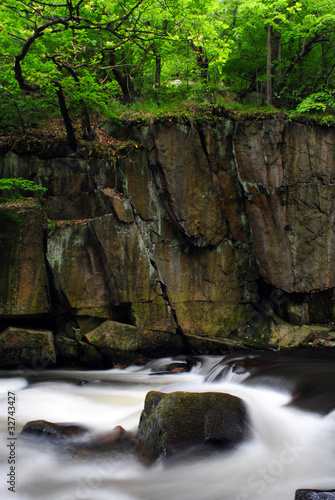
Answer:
(291, 408)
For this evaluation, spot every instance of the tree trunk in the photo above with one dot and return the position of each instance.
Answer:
(269, 69)
(66, 117)
(124, 81)
(158, 70)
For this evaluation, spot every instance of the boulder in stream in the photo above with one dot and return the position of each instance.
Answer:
(182, 423)
(52, 430)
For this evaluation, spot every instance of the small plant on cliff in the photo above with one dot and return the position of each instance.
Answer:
(16, 189)
(53, 225)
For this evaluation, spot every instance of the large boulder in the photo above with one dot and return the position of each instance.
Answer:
(118, 341)
(26, 347)
(182, 422)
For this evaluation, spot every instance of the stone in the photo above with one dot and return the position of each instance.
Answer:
(136, 180)
(200, 216)
(286, 335)
(181, 169)
(156, 315)
(314, 495)
(69, 181)
(24, 284)
(131, 275)
(208, 289)
(89, 355)
(53, 431)
(270, 331)
(88, 323)
(66, 348)
(287, 171)
(179, 422)
(121, 205)
(306, 308)
(77, 267)
(118, 440)
(129, 341)
(23, 347)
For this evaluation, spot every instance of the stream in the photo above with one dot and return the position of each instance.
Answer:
(290, 399)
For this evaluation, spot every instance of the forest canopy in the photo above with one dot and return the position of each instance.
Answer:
(79, 59)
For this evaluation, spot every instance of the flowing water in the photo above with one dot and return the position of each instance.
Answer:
(292, 446)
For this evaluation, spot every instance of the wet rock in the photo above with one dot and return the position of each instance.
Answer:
(269, 330)
(118, 440)
(52, 430)
(314, 495)
(121, 340)
(184, 422)
(26, 347)
(285, 335)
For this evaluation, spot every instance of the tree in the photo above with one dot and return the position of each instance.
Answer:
(285, 35)
(74, 57)
(56, 46)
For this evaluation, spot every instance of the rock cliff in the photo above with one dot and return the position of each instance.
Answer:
(201, 237)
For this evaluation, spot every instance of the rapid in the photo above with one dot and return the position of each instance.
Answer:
(290, 400)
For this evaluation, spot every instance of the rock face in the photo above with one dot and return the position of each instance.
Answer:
(184, 422)
(181, 242)
(24, 284)
(287, 171)
(21, 347)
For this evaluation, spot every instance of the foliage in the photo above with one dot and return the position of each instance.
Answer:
(317, 102)
(82, 58)
(16, 189)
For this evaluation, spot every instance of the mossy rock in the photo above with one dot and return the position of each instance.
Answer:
(27, 348)
(67, 348)
(120, 341)
(90, 356)
(182, 422)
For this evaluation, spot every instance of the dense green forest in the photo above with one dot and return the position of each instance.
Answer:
(97, 58)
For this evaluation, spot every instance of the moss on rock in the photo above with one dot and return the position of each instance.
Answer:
(177, 422)
(31, 348)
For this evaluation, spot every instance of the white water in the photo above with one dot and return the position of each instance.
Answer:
(290, 449)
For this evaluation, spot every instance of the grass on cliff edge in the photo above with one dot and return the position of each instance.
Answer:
(197, 111)
(46, 134)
